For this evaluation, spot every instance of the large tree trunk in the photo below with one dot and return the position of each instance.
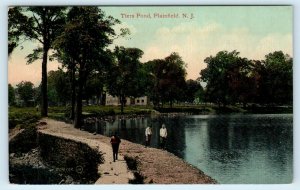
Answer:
(73, 96)
(122, 101)
(44, 101)
(78, 112)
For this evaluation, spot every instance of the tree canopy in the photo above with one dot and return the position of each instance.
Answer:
(232, 79)
(25, 91)
(41, 24)
(168, 79)
(124, 78)
(93, 33)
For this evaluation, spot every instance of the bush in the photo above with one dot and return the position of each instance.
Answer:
(24, 141)
(22, 117)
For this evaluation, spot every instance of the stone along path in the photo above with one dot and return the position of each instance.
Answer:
(111, 172)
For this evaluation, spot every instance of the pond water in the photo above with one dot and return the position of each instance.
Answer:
(233, 149)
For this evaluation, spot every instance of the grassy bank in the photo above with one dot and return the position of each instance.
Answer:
(27, 116)
(214, 109)
(22, 117)
(115, 110)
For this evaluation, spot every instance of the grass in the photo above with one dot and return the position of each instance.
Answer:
(22, 117)
(115, 110)
(26, 116)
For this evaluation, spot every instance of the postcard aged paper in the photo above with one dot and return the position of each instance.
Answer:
(150, 94)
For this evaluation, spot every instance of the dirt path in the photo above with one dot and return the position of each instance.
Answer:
(154, 165)
(111, 172)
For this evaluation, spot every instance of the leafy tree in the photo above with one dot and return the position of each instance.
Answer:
(173, 79)
(93, 32)
(278, 78)
(124, 81)
(58, 87)
(69, 64)
(240, 81)
(193, 90)
(41, 24)
(94, 87)
(25, 91)
(15, 21)
(11, 95)
(37, 95)
(154, 68)
(168, 79)
(226, 75)
(232, 79)
(200, 95)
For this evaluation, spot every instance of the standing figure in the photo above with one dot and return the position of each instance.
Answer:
(163, 136)
(148, 134)
(115, 142)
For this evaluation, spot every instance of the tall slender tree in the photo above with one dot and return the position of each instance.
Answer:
(41, 24)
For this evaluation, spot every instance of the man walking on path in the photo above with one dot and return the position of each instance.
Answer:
(163, 136)
(148, 134)
(115, 142)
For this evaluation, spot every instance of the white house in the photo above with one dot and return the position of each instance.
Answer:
(141, 101)
(115, 101)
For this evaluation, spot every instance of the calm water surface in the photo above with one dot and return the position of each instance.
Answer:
(232, 149)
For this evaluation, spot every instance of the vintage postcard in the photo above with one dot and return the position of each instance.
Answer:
(150, 94)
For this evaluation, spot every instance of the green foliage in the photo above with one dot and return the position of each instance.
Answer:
(22, 117)
(228, 78)
(25, 91)
(193, 91)
(167, 78)
(123, 81)
(93, 33)
(35, 55)
(279, 78)
(41, 24)
(28, 116)
(11, 95)
(114, 110)
(94, 86)
(231, 79)
(185, 109)
(59, 88)
(15, 21)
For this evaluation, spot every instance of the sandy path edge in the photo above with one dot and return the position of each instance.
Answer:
(111, 172)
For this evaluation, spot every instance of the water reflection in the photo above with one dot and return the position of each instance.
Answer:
(230, 148)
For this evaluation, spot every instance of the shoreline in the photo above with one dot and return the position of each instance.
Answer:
(147, 165)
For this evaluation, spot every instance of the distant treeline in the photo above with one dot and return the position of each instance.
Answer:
(229, 80)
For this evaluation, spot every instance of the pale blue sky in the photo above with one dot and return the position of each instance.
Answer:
(252, 30)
